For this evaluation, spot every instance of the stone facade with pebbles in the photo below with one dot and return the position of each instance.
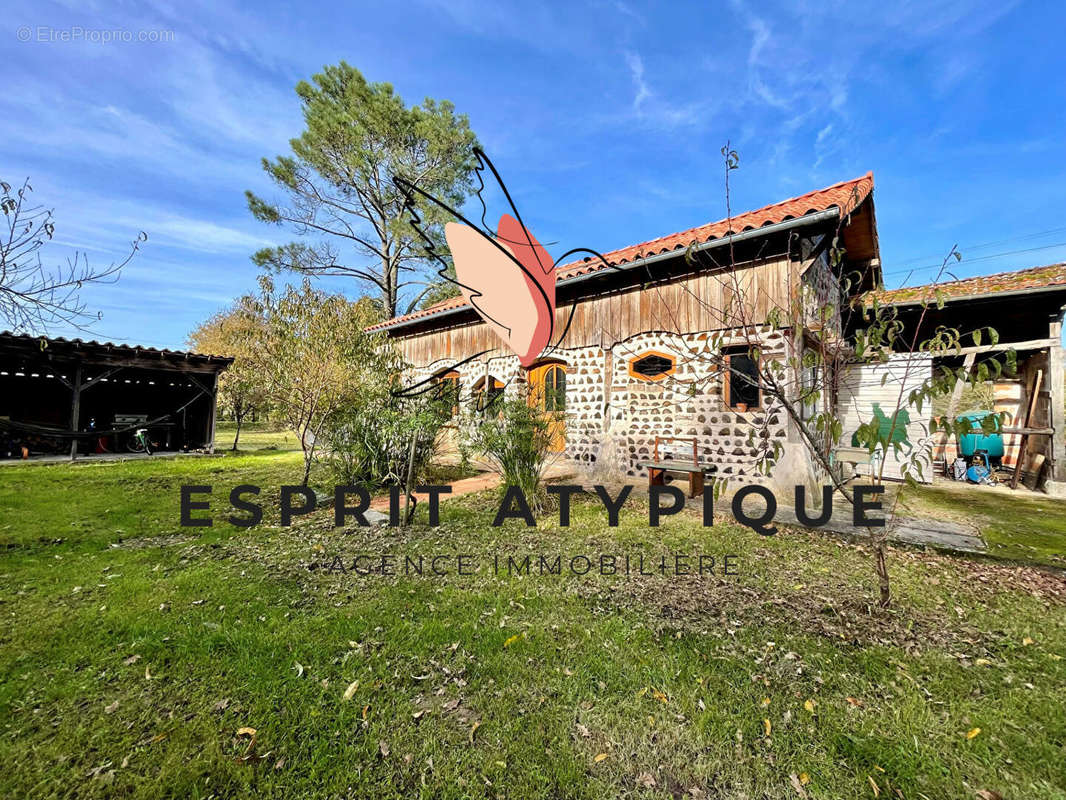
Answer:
(608, 406)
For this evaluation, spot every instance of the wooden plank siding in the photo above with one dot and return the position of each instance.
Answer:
(703, 301)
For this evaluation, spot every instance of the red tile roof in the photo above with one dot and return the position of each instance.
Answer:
(846, 196)
(1032, 278)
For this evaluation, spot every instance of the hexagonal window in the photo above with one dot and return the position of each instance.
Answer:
(652, 366)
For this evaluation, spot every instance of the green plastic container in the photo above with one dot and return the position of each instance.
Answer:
(970, 443)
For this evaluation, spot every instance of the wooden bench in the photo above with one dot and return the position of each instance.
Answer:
(658, 468)
(853, 456)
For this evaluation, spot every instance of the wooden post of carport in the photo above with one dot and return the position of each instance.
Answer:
(214, 412)
(1056, 411)
(75, 410)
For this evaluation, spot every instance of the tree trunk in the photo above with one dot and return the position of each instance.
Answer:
(237, 435)
(309, 455)
(881, 568)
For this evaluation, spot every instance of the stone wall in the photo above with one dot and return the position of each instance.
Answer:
(610, 410)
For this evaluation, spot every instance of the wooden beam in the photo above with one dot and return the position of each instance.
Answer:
(953, 403)
(1033, 396)
(1001, 347)
(1057, 403)
(105, 374)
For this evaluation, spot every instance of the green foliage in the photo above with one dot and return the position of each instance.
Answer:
(342, 200)
(516, 440)
(235, 332)
(369, 442)
(314, 357)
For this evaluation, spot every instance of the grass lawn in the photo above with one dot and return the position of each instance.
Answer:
(1024, 526)
(255, 436)
(135, 650)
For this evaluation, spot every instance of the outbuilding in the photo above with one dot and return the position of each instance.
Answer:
(75, 397)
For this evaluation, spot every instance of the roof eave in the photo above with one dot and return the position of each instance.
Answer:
(807, 220)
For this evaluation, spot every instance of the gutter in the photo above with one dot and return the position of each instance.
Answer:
(831, 213)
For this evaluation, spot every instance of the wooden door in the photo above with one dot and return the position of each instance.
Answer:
(547, 391)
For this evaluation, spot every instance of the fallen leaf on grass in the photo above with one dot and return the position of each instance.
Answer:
(583, 730)
(131, 660)
(646, 780)
(797, 784)
(111, 709)
(221, 705)
(988, 794)
(299, 669)
(599, 758)
(349, 693)
(514, 639)
(366, 710)
(147, 674)
(809, 705)
(970, 734)
(767, 727)
(383, 748)
(1027, 641)
(854, 701)
(874, 786)
(473, 731)
(250, 749)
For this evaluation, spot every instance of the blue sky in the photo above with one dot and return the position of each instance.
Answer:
(606, 119)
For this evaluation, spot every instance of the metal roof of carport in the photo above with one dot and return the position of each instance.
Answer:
(93, 352)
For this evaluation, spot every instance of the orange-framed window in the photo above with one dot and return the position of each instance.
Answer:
(488, 392)
(652, 366)
(448, 390)
(548, 386)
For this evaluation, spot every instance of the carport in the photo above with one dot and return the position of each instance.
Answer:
(1025, 308)
(85, 397)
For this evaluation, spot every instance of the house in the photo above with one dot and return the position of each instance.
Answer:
(640, 358)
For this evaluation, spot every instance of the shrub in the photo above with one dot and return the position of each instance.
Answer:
(516, 441)
(368, 443)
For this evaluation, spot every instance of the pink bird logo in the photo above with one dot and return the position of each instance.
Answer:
(506, 276)
(509, 281)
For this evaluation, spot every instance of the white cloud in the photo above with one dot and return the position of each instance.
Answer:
(636, 69)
